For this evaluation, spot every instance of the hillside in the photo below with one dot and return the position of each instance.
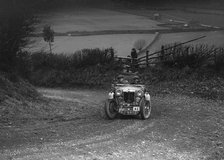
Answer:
(16, 98)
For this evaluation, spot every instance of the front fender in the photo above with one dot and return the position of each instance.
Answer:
(111, 95)
(147, 97)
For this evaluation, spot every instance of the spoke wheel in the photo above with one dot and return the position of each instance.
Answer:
(110, 109)
(145, 109)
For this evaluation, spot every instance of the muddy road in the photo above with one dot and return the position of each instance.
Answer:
(186, 128)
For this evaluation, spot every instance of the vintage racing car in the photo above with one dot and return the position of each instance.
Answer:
(128, 97)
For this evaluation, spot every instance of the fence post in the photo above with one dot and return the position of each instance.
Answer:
(215, 56)
(147, 58)
(112, 54)
(162, 53)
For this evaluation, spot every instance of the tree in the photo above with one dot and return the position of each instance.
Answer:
(16, 25)
(139, 44)
(48, 35)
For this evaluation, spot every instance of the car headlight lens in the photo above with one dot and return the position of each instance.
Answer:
(118, 92)
(139, 93)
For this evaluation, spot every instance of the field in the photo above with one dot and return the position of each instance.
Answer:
(122, 43)
(204, 17)
(91, 20)
(107, 28)
(94, 20)
(212, 38)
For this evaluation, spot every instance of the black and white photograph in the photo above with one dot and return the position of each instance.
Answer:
(111, 79)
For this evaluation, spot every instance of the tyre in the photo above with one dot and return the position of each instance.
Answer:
(145, 109)
(110, 109)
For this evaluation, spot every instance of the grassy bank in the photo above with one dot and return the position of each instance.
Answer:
(17, 98)
(200, 83)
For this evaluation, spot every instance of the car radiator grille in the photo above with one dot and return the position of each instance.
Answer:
(129, 97)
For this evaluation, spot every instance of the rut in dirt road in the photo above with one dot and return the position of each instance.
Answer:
(188, 128)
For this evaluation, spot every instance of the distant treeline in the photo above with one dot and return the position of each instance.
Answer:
(49, 4)
(46, 4)
(165, 1)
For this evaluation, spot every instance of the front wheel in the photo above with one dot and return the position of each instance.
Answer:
(145, 109)
(110, 109)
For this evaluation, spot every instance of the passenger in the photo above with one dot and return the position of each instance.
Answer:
(134, 57)
(134, 54)
(136, 80)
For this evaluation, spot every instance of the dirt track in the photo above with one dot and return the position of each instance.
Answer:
(186, 128)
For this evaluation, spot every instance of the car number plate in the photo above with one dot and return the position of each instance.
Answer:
(136, 109)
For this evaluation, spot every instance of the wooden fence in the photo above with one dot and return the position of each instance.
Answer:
(152, 58)
(146, 60)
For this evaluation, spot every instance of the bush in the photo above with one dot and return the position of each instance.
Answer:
(48, 61)
(192, 56)
(16, 25)
(80, 59)
(24, 65)
(85, 67)
(219, 60)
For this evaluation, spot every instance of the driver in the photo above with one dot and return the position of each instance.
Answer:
(136, 80)
(123, 81)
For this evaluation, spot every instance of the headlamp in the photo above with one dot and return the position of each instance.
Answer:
(139, 93)
(118, 92)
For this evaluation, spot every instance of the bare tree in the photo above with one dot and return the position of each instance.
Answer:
(48, 34)
(140, 44)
